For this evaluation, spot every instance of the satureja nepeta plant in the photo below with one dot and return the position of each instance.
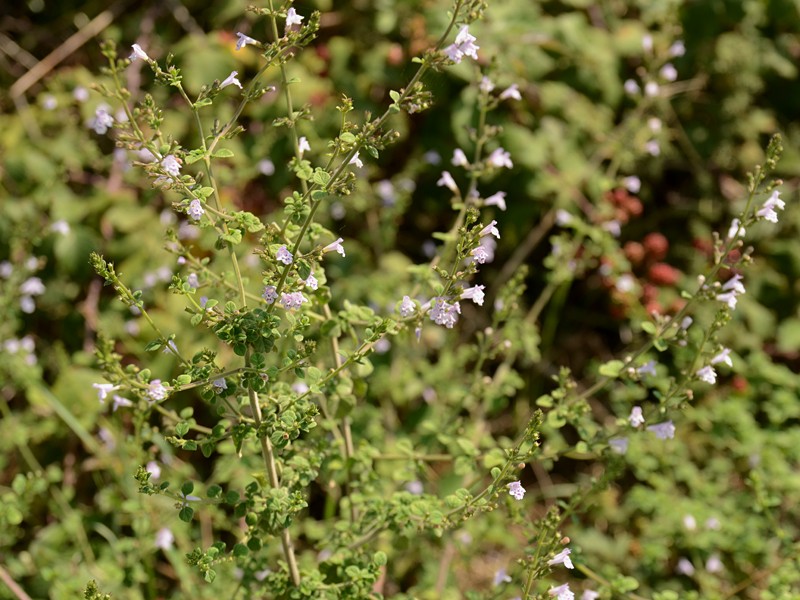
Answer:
(285, 373)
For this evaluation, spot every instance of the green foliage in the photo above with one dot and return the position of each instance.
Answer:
(276, 419)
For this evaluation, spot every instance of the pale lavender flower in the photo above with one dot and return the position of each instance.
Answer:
(231, 80)
(654, 124)
(337, 246)
(728, 298)
(689, 522)
(613, 227)
(118, 401)
(562, 558)
(663, 431)
(563, 217)
(102, 121)
(414, 487)
(138, 53)
(723, 357)
(356, 161)
(171, 164)
(463, 46)
(636, 417)
(292, 18)
(432, 157)
(590, 595)
(669, 72)
(6, 269)
(220, 383)
(80, 93)
(156, 390)
(311, 281)
(511, 91)
(103, 390)
(500, 158)
(497, 199)
(484, 253)
(651, 89)
(407, 307)
(648, 368)
(619, 445)
(714, 564)
(647, 42)
(444, 313)
(486, 85)
(516, 490)
(713, 523)
(501, 577)
(767, 211)
(652, 148)
(284, 256)
(677, 48)
(736, 229)
(685, 567)
(631, 87)
(490, 229)
(266, 167)
(269, 294)
(164, 539)
(193, 280)
(562, 592)
(707, 374)
(32, 286)
(386, 192)
(244, 40)
(474, 293)
(292, 300)
(633, 184)
(27, 304)
(447, 181)
(459, 158)
(195, 210)
(686, 322)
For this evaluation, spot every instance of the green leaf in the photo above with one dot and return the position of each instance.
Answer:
(186, 514)
(612, 368)
(649, 327)
(348, 138)
(223, 153)
(394, 95)
(321, 177)
(194, 156)
(153, 346)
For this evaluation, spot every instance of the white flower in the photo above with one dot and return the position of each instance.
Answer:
(154, 470)
(244, 40)
(511, 91)
(292, 18)
(728, 298)
(500, 158)
(266, 167)
(445, 313)
(463, 46)
(563, 217)
(303, 145)
(686, 323)
(459, 158)
(102, 120)
(138, 53)
(636, 418)
(735, 284)
(486, 85)
(356, 161)
(497, 199)
(651, 89)
(562, 592)
(654, 124)
(60, 227)
(501, 577)
(707, 374)
(723, 357)
(767, 211)
(164, 539)
(446, 180)
(515, 489)
(590, 595)
(474, 293)
(231, 80)
(311, 281)
(647, 43)
(652, 148)
(80, 93)
(689, 522)
(562, 558)
(736, 229)
(663, 431)
(613, 227)
(337, 246)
